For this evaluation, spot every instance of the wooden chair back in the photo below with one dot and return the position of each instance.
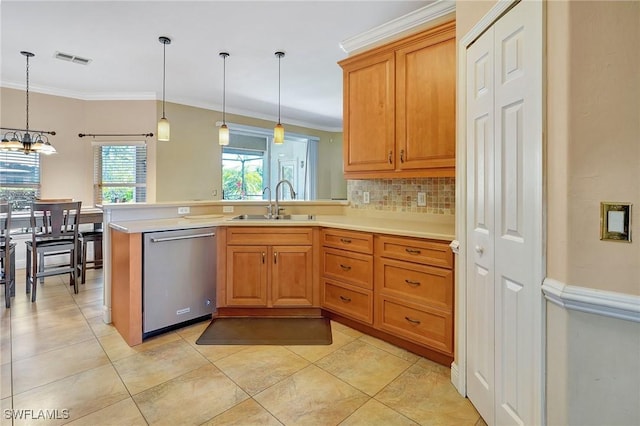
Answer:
(55, 220)
(5, 223)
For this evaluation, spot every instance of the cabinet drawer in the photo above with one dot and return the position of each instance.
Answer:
(345, 266)
(269, 235)
(429, 252)
(425, 284)
(350, 301)
(361, 242)
(430, 327)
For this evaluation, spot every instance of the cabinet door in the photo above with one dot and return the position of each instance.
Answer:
(291, 275)
(425, 103)
(369, 123)
(247, 275)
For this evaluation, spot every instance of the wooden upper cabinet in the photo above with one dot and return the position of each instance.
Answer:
(425, 104)
(369, 87)
(399, 107)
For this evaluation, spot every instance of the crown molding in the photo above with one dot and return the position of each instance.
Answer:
(381, 33)
(95, 96)
(151, 96)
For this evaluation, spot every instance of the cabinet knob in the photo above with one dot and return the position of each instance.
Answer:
(479, 250)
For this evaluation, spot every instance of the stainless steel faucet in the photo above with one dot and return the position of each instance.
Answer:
(293, 193)
(269, 206)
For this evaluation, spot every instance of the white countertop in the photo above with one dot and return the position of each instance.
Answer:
(439, 230)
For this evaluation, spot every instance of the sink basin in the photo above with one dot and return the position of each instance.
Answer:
(250, 217)
(279, 217)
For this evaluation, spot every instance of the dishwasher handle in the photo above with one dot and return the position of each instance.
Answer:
(182, 237)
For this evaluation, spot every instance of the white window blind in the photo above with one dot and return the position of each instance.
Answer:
(120, 172)
(19, 178)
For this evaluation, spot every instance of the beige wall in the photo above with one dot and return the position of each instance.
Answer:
(185, 168)
(69, 174)
(603, 141)
(189, 166)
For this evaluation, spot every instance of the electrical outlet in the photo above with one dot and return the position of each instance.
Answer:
(422, 199)
(365, 197)
(184, 210)
(227, 209)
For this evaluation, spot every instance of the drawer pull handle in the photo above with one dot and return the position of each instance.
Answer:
(412, 251)
(275, 257)
(412, 321)
(345, 240)
(390, 157)
(345, 299)
(402, 155)
(412, 283)
(345, 267)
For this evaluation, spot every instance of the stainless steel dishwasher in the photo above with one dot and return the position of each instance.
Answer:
(179, 278)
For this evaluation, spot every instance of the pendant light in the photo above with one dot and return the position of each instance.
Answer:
(278, 131)
(164, 129)
(36, 141)
(223, 133)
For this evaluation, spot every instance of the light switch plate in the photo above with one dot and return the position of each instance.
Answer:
(184, 210)
(615, 221)
(365, 197)
(227, 209)
(422, 199)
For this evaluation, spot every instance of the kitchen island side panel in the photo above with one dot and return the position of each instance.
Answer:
(126, 285)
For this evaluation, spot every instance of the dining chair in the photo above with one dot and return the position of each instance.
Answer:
(54, 230)
(86, 237)
(7, 254)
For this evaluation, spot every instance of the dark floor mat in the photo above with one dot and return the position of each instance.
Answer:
(267, 331)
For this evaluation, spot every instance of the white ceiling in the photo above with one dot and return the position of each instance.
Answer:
(121, 39)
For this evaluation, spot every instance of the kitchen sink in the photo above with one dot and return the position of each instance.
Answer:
(279, 217)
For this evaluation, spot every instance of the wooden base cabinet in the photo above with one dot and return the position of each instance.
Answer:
(347, 273)
(414, 298)
(268, 273)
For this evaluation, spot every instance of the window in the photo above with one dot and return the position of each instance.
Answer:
(251, 162)
(19, 178)
(120, 172)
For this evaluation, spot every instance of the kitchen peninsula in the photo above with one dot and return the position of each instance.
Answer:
(351, 263)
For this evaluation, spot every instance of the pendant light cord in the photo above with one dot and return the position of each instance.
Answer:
(279, 59)
(224, 86)
(27, 126)
(164, 72)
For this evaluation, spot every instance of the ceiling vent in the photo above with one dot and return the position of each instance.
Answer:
(72, 58)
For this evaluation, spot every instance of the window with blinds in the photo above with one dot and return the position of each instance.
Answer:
(120, 172)
(19, 178)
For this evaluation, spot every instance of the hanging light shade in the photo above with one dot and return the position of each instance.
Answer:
(164, 129)
(278, 131)
(26, 140)
(223, 133)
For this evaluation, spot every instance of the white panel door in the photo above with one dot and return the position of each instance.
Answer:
(480, 226)
(518, 213)
(504, 265)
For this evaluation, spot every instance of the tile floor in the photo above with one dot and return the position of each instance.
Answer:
(57, 354)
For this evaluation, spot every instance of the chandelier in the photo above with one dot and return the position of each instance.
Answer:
(27, 140)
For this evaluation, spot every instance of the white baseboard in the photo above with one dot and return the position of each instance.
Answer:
(455, 378)
(599, 302)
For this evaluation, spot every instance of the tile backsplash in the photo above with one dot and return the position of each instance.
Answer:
(401, 195)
